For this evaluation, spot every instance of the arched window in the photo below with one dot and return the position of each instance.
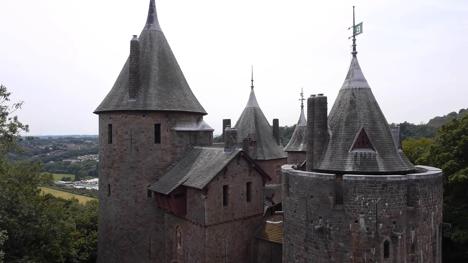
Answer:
(386, 249)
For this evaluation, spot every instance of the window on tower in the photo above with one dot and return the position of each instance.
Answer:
(108, 190)
(157, 133)
(248, 192)
(386, 252)
(109, 133)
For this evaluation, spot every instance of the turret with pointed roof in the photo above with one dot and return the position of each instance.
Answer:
(161, 85)
(254, 125)
(361, 139)
(298, 142)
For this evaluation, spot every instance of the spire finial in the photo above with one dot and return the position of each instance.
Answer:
(152, 20)
(252, 80)
(302, 98)
(357, 29)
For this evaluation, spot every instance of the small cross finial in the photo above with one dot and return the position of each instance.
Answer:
(302, 98)
(252, 80)
(357, 29)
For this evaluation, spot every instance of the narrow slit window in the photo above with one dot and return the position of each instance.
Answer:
(157, 133)
(149, 194)
(248, 191)
(386, 246)
(225, 195)
(109, 133)
(108, 190)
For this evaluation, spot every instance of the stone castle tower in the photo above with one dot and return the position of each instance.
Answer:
(259, 139)
(146, 122)
(297, 146)
(360, 199)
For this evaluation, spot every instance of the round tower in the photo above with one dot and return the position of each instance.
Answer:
(146, 122)
(360, 199)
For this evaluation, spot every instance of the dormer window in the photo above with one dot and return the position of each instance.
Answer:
(362, 142)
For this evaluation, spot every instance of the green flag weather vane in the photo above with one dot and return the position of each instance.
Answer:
(357, 29)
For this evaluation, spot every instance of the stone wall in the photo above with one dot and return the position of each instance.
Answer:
(355, 218)
(272, 168)
(211, 232)
(296, 157)
(130, 225)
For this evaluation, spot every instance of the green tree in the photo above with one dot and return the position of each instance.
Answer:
(10, 126)
(450, 152)
(3, 237)
(417, 150)
(39, 228)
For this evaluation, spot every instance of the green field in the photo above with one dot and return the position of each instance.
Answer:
(59, 177)
(65, 195)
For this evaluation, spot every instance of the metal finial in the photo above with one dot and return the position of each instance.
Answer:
(357, 29)
(252, 80)
(302, 98)
(354, 35)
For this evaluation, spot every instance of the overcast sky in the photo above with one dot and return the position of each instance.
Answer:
(61, 57)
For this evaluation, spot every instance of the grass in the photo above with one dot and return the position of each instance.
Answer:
(65, 195)
(59, 177)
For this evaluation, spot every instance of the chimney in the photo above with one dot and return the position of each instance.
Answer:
(230, 139)
(317, 130)
(320, 129)
(134, 71)
(226, 124)
(396, 136)
(310, 130)
(276, 133)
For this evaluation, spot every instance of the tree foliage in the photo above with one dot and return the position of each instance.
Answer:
(36, 227)
(10, 126)
(449, 151)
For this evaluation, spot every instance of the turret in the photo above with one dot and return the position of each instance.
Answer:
(148, 120)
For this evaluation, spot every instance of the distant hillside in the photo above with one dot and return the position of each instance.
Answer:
(410, 130)
(438, 122)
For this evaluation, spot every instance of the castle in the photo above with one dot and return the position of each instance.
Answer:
(340, 191)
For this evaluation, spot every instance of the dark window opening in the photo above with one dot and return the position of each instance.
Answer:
(225, 195)
(386, 249)
(149, 193)
(108, 190)
(248, 190)
(157, 133)
(109, 133)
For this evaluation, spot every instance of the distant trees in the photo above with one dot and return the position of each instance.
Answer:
(36, 227)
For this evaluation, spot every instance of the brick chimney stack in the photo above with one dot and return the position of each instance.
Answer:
(226, 124)
(230, 139)
(276, 133)
(134, 71)
(317, 130)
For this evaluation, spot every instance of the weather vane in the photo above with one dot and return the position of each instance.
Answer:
(357, 29)
(252, 80)
(302, 98)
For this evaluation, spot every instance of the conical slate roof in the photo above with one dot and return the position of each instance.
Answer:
(298, 142)
(360, 138)
(162, 85)
(253, 123)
